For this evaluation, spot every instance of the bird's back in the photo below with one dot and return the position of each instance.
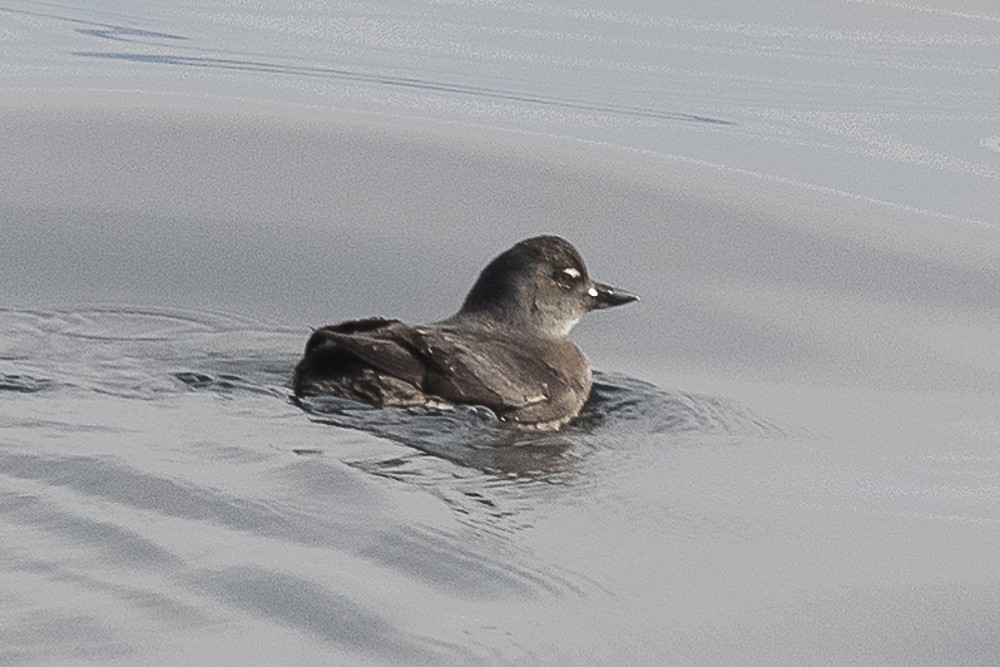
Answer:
(537, 382)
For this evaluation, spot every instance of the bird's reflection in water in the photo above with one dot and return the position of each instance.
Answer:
(619, 408)
(468, 436)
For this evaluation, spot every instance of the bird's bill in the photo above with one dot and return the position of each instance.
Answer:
(605, 296)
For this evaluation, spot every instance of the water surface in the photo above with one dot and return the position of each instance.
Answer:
(789, 456)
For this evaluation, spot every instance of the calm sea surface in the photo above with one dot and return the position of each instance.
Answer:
(789, 456)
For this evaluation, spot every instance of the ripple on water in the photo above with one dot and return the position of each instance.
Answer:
(440, 559)
(493, 479)
(24, 384)
(471, 436)
(140, 352)
(622, 403)
(322, 612)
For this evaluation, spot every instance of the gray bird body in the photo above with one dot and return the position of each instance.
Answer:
(508, 348)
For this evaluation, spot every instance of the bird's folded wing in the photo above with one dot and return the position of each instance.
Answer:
(498, 374)
(383, 344)
(501, 375)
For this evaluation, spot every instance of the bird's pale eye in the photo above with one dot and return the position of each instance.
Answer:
(568, 277)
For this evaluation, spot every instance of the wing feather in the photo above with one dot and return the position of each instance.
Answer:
(376, 342)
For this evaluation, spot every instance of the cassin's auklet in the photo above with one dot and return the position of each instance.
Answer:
(508, 348)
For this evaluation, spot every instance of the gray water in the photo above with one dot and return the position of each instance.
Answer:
(162, 484)
(789, 456)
